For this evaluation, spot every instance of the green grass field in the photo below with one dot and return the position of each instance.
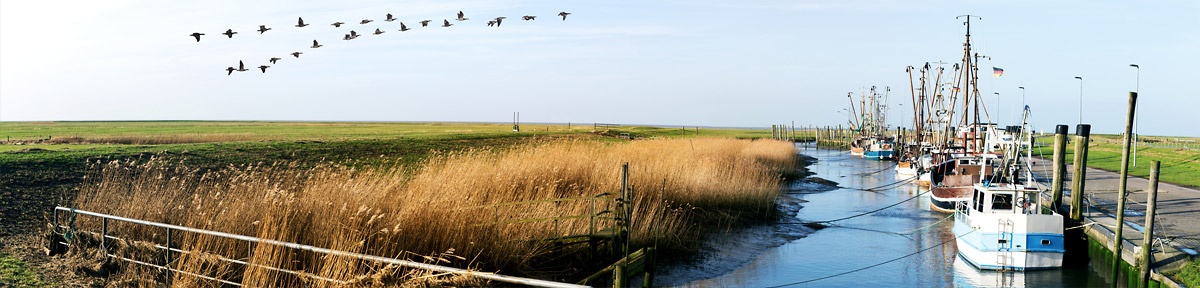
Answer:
(1179, 165)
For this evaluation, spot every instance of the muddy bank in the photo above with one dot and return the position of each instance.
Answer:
(728, 248)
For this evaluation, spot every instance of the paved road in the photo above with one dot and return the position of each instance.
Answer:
(1178, 221)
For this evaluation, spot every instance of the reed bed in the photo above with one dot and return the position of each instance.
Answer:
(456, 209)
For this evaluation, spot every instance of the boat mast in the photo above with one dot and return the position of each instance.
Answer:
(967, 79)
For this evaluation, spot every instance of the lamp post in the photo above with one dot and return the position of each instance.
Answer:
(997, 107)
(1136, 83)
(1081, 99)
(1022, 99)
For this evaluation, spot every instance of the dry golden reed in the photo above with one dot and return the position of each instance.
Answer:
(449, 204)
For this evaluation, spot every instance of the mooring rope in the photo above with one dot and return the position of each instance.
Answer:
(885, 186)
(865, 213)
(871, 266)
(880, 170)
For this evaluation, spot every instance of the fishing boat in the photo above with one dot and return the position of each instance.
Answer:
(1004, 227)
(870, 125)
(880, 149)
(955, 178)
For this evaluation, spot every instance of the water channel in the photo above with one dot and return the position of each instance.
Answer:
(802, 257)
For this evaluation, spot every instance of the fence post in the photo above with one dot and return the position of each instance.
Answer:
(168, 264)
(648, 267)
(104, 235)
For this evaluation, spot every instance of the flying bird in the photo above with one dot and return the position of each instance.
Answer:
(491, 23)
(390, 18)
(300, 22)
(297, 54)
(425, 23)
(273, 59)
(264, 68)
(377, 31)
(230, 70)
(446, 23)
(347, 37)
(527, 17)
(500, 20)
(262, 28)
(197, 35)
(242, 66)
(460, 16)
(402, 27)
(316, 45)
(337, 24)
(564, 15)
(228, 33)
(365, 21)
(353, 34)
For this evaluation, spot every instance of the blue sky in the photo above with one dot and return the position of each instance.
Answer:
(708, 63)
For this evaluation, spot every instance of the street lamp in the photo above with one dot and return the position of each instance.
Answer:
(1080, 99)
(997, 107)
(1137, 82)
(1022, 100)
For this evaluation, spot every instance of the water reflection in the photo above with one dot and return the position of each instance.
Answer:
(874, 240)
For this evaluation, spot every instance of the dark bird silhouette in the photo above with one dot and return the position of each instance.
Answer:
(262, 29)
(528, 17)
(491, 23)
(230, 70)
(460, 17)
(297, 54)
(229, 33)
(446, 23)
(197, 35)
(347, 37)
(242, 66)
(390, 18)
(316, 45)
(353, 34)
(365, 21)
(425, 23)
(273, 59)
(500, 20)
(300, 22)
(377, 31)
(337, 24)
(264, 68)
(403, 28)
(564, 15)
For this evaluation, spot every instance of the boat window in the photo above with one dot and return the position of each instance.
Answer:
(978, 200)
(1002, 202)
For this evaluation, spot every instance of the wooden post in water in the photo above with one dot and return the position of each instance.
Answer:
(1148, 236)
(1079, 170)
(1121, 189)
(1060, 166)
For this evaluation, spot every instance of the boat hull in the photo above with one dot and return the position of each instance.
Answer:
(945, 199)
(1010, 241)
(879, 155)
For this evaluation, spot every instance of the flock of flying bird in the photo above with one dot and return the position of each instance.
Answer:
(352, 35)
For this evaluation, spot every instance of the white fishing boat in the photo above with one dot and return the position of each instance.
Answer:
(1004, 227)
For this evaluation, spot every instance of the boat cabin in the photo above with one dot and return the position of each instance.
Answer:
(1005, 198)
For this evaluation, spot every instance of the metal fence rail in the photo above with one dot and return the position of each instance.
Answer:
(402, 263)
